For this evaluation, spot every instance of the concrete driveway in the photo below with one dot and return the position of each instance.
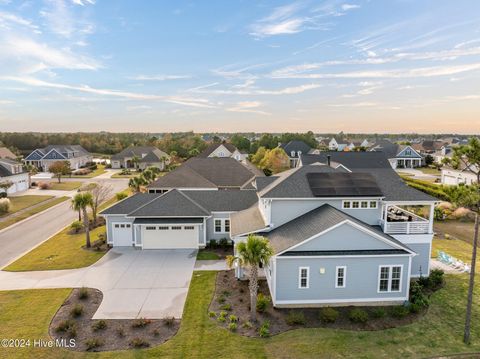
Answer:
(135, 283)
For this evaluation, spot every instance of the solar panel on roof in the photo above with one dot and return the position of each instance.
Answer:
(343, 184)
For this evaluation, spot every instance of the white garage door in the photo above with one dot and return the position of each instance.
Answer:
(169, 236)
(122, 234)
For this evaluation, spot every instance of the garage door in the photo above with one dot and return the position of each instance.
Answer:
(169, 237)
(122, 234)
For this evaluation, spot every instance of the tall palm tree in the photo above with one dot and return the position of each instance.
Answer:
(81, 202)
(251, 253)
(135, 161)
(136, 182)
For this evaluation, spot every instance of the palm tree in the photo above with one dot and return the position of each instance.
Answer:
(251, 253)
(82, 201)
(136, 182)
(135, 161)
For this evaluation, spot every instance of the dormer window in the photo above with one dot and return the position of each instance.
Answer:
(299, 153)
(292, 153)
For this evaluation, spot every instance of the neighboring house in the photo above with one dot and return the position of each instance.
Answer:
(357, 144)
(333, 144)
(43, 158)
(294, 149)
(223, 150)
(186, 208)
(211, 173)
(444, 152)
(428, 147)
(6, 153)
(399, 156)
(13, 172)
(147, 156)
(462, 174)
(341, 234)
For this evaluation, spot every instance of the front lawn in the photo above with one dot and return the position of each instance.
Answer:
(438, 333)
(65, 186)
(100, 170)
(30, 212)
(430, 171)
(22, 202)
(205, 255)
(62, 251)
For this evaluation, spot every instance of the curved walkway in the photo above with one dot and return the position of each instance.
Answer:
(135, 283)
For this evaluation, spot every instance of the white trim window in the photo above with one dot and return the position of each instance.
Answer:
(359, 204)
(221, 225)
(226, 226)
(347, 204)
(303, 277)
(340, 276)
(356, 204)
(390, 278)
(217, 226)
(373, 204)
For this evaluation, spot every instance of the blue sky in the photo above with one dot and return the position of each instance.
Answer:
(154, 66)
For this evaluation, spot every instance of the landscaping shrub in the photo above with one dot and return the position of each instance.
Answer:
(358, 315)
(221, 299)
(417, 295)
(414, 308)
(222, 317)
(262, 302)
(156, 332)
(139, 343)
(233, 318)
(4, 194)
(141, 323)
(295, 317)
(76, 311)
(328, 315)
(93, 343)
(68, 327)
(423, 281)
(212, 314)
(83, 293)
(232, 326)
(212, 244)
(248, 324)
(264, 330)
(76, 226)
(223, 242)
(120, 332)
(226, 306)
(226, 293)
(43, 185)
(5, 205)
(121, 195)
(427, 187)
(435, 280)
(379, 313)
(99, 325)
(439, 214)
(399, 311)
(169, 321)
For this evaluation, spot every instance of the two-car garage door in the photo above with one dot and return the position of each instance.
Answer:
(169, 236)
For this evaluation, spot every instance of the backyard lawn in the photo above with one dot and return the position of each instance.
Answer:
(65, 186)
(62, 251)
(100, 170)
(30, 212)
(455, 229)
(438, 333)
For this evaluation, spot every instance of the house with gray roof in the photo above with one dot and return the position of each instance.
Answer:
(12, 172)
(223, 149)
(294, 149)
(140, 157)
(340, 224)
(399, 156)
(43, 158)
(341, 230)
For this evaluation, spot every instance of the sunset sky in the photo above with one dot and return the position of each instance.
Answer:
(274, 66)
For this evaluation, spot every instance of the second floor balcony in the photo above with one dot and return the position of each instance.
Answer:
(398, 220)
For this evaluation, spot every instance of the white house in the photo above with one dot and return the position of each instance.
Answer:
(43, 158)
(223, 149)
(463, 174)
(12, 172)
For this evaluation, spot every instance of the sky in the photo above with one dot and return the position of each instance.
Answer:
(372, 66)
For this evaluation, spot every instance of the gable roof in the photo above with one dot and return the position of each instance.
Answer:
(317, 221)
(223, 200)
(247, 221)
(6, 153)
(208, 151)
(390, 149)
(296, 146)
(130, 204)
(375, 163)
(173, 203)
(40, 153)
(210, 172)
(152, 153)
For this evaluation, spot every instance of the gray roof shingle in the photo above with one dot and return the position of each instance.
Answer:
(296, 146)
(206, 152)
(246, 221)
(130, 204)
(152, 153)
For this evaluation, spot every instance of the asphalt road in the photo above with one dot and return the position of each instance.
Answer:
(18, 239)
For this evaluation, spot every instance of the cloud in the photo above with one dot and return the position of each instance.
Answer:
(249, 107)
(186, 101)
(160, 77)
(8, 19)
(65, 19)
(245, 91)
(83, 2)
(346, 7)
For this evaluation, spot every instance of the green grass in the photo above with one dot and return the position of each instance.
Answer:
(65, 186)
(131, 175)
(100, 170)
(205, 255)
(62, 251)
(430, 171)
(455, 229)
(438, 333)
(22, 202)
(30, 212)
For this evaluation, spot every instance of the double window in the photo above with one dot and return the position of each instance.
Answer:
(359, 204)
(303, 277)
(390, 279)
(221, 225)
(340, 276)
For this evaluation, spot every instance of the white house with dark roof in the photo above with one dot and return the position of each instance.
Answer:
(294, 149)
(399, 156)
(12, 172)
(223, 149)
(43, 158)
(145, 156)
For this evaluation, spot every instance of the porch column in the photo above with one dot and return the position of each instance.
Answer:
(431, 218)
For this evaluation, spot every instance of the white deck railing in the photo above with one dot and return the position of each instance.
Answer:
(417, 227)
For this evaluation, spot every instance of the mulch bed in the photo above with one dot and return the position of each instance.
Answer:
(234, 293)
(118, 334)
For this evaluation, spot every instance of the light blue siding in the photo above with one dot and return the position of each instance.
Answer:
(111, 220)
(283, 211)
(420, 263)
(344, 237)
(210, 226)
(361, 280)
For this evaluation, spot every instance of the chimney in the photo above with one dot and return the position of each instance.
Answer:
(328, 160)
